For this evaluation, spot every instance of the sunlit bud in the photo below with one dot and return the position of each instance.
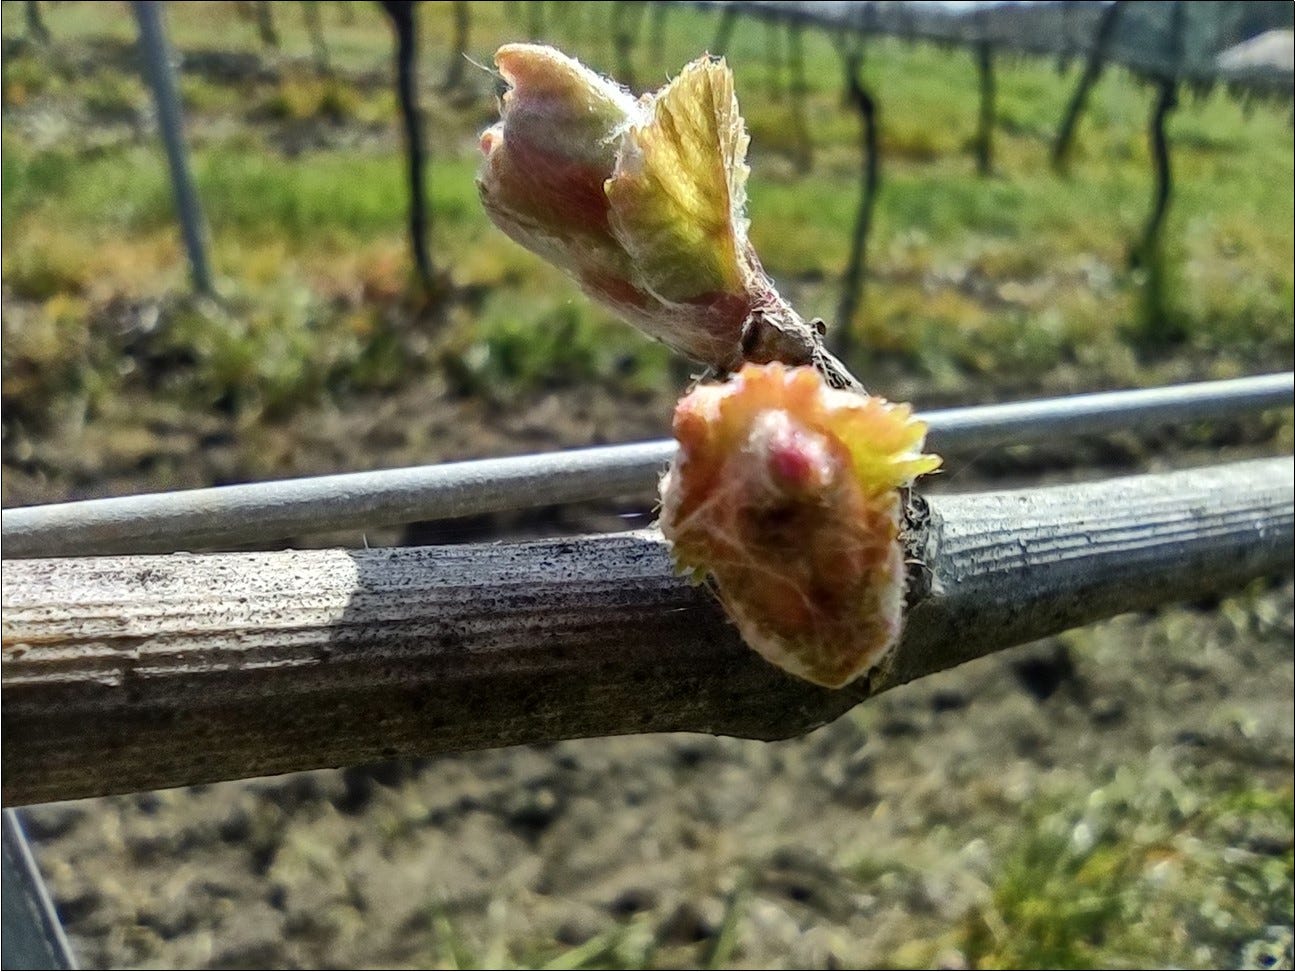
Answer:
(786, 493)
(642, 202)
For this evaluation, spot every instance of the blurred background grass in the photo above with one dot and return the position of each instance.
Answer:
(1019, 282)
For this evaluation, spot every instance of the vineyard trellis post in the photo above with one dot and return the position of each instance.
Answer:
(984, 55)
(156, 54)
(33, 937)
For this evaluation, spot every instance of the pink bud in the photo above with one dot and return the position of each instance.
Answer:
(786, 492)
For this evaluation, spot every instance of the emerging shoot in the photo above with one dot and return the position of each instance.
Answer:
(785, 489)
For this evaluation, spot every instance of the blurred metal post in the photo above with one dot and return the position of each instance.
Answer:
(33, 937)
(156, 54)
(988, 92)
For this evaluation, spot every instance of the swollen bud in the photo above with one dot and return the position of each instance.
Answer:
(641, 201)
(786, 492)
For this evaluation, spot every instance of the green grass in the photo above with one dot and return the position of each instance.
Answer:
(1141, 872)
(252, 196)
(1011, 280)
(558, 343)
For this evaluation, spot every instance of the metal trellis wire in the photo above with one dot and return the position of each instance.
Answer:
(270, 511)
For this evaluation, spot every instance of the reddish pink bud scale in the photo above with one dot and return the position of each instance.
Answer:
(791, 465)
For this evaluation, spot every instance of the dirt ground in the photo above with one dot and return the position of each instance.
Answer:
(870, 842)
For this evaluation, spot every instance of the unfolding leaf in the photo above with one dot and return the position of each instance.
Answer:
(678, 192)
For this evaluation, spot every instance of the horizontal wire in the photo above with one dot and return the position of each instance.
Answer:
(270, 511)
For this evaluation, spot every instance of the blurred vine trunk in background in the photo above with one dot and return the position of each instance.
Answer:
(403, 14)
(856, 266)
(627, 20)
(1092, 74)
(458, 56)
(773, 55)
(988, 92)
(656, 32)
(315, 28)
(798, 87)
(36, 29)
(1148, 255)
(724, 33)
(265, 24)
